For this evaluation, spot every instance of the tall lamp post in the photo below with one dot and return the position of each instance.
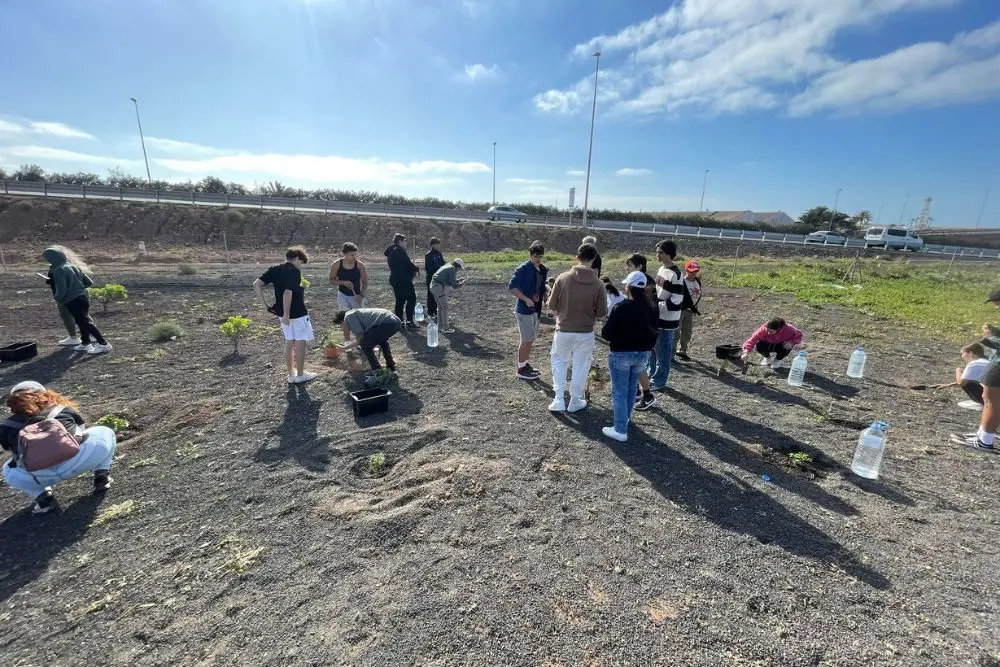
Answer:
(590, 150)
(836, 200)
(982, 208)
(704, 184)
(903, 212)
(149, 179)
(494, 173)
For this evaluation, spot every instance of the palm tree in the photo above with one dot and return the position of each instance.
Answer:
(863, 218)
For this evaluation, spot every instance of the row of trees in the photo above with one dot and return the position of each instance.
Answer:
(814, 219)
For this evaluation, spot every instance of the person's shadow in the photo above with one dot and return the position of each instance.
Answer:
(297, 435)
(44, 369)
(29, 542)
(464, 343)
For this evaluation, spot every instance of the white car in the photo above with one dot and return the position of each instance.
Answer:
(893, 238)
(506, 214)
(826, 238)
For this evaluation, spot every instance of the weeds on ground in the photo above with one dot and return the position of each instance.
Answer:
(108, 294)
(166, 331)
(187, 269)
(116, 423)
(800, 458)
(146, 463)
(376, 462)
(235, 328)
(113, 513)
(157, 354)
(240, 557)
(188, 451)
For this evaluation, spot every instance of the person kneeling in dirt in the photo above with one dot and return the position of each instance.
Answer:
(446, 279)
(776, 337)
(51, 443)
(970, 377)
(372, 327)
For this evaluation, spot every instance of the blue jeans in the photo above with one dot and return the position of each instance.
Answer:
(659, 359)
(625, 367)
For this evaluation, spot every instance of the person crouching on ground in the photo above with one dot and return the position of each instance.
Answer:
(689, 308)
(445, 279)
(372, 327)
(68, 448)
(968, 379)
(631, 333)
(290, 308)
(776, 337)
(578, 301)
(70, 281)
(351, 279)
(984, 437)
(529, 285)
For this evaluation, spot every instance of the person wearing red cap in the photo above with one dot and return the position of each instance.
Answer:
(689, 308)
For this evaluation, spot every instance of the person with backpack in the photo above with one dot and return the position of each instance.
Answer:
(70, 280)
(50, 442)
(689, 308)
(402, 271)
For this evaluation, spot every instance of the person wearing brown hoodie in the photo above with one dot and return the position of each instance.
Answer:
(578, 300)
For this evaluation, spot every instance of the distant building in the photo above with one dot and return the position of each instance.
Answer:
(775, 218)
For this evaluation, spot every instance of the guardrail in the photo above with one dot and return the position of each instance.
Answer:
(59, 190)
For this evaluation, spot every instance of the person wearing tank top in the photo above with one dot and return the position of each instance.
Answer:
(349, 275)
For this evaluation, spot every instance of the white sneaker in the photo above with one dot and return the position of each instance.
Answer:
(293, 379)
(97, 348)
(576, 404)
(558, 405)
(766, 361)
(306, 376)
(970, 405)
(83, 348)
(448, 331)
(69, 341)
(613, 434)
(776, 364)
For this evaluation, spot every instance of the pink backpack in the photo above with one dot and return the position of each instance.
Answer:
(44, 443)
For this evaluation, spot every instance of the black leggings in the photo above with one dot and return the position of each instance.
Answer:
(378, 336)
(777, 349)
(79, 308)
(406, 297)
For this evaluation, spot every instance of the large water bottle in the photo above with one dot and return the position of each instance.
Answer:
(798, 372)
(856, 366)
(870, 450)
(418, 313)
(432, 334)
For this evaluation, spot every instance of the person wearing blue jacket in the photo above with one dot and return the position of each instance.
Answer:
(528, 285)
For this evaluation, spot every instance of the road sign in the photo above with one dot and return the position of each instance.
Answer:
(572, 197)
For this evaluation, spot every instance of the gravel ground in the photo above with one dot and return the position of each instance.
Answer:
(497, 534)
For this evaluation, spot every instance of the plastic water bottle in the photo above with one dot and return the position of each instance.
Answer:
(856, 366)
(870, 450)
(418, 313)
(432, 334)
(798, 372)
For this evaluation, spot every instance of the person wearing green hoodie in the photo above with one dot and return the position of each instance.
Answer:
(69, 287)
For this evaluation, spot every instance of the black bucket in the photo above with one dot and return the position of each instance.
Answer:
(728, 352)
(18, 352)
(370, 401)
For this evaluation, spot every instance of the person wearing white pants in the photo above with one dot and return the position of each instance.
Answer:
(578, 300)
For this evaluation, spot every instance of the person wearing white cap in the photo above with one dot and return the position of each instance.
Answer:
(50, 443)
(631, 332)
(445, 279)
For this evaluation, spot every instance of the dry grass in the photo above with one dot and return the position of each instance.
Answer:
(113, 513)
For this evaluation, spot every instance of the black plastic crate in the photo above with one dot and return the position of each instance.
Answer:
(370, 401)
(18, 352)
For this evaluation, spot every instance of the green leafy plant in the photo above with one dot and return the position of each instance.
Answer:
(235, 328)
(305, 283)
(108, 294)
(187, 269)
(116, 423)
(383, 377)
(162, 332)
(333, 338)
(376, 462)
(800, 458)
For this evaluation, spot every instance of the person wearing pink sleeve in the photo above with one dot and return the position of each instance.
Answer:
(776, 337)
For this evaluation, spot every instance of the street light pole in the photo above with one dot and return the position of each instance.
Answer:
(982, 208)
(903, 212)
(704, 184)
(590, 150)
(494, 173)
(142, 140)
(836, 200)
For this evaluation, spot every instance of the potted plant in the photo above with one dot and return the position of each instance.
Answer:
(331, 344)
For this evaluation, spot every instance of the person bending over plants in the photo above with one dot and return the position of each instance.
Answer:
(372, 327)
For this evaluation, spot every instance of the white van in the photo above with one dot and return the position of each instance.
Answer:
(893, 238)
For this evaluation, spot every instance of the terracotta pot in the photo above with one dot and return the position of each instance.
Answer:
(332, 352)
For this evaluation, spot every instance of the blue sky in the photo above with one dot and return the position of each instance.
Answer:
(784, 101)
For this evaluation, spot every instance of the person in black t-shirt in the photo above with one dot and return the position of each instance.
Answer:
(433, 261)
(290, 308)
(401, 273)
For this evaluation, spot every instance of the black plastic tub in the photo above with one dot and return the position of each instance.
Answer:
(370, 401)
(18, 352)
(728, 352)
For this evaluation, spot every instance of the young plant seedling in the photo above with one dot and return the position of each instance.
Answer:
(376, 462)
(235, 328)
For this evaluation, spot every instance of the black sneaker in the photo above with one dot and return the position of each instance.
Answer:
(646, 402)
(683, 356)
(102, 481)
(526, 372)
(44, 503)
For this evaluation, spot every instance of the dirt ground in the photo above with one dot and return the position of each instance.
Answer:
(246, 530)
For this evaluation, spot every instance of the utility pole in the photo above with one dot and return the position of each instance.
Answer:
(982, 209)
(704, 184)
(590, 151)
(494, 173)
(142, 140)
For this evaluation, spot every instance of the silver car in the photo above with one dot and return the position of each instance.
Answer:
(826, 238)
(506, 214)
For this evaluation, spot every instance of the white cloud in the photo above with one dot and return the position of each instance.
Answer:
(576, 173)
(480, 72)
(47, 153)
(59, 130)
(630, 171)
(734, 56)
(527, 181)
(175, 147)
(8, 128)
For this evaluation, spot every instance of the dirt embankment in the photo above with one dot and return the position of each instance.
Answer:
(110, 231)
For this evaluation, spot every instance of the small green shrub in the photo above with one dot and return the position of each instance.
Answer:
(108, 294)
(188, 269)
(235, 328)
(116, 423)
(234, 217)
(376, 462)
(333, 338)
(162, 332)
(800, 458)
(305, 283)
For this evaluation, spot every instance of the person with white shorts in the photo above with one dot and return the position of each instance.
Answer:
(290, 307)
(351, 279)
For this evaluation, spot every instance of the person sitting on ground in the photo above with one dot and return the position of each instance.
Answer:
(775, 337)
(349, 275)
(636, 262)
(372, 327)
(446, 278)
(689, 308)
(290, 308)
(631, 333)
(70, 281)
(68, 450)
(592, 240)
(433, 261)
(612, 295)
(529, 286)
(984, 437)
(969, 378)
